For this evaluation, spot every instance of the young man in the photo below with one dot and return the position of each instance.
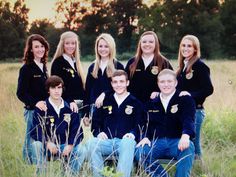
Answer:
(116, 125)
(170, 129)
(56, 132)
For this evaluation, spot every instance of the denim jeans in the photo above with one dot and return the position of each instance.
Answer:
(199, 118)
(27, 151)
(165, 148)
(124, 148)
(75, 160)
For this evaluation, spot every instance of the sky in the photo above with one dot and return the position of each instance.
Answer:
(39, 9)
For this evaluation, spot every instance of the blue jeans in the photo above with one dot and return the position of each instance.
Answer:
(165, 148)
(124, 148)
(27, 151)
(75, 160)
(199, 118)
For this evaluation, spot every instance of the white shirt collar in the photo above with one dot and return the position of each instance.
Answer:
(165, 101)
(69, 59)
(119, 101)
(55, 107)
(39, 64)
(147, 60)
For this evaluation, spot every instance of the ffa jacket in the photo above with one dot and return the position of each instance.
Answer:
(178, 119)
(62, 129)
(144, 81)
(197, 82)
(31, 85)
(95, 86)
(117, 121)
(73, 83)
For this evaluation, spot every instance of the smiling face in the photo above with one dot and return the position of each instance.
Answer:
(187, 49)
(148, 44)
(120, 84)
(70, 46)
(103, 49)
(167, 84)
(38, 49)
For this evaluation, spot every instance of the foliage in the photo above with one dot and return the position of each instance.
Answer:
(212, 22)
(228, 19)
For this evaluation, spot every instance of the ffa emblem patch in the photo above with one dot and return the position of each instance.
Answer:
(189, 75)
(52, 120)
(67, 118)
(129, 109)
(174, 108)
(109, 109)
(154, 70)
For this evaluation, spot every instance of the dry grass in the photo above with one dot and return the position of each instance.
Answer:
(218, 132)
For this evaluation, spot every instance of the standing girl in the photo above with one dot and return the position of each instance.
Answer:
(194, 77)
(32, 77)
(145, 66)
(100, 71)
(67, 65)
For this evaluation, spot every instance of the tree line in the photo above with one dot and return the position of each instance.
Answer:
(212, 21)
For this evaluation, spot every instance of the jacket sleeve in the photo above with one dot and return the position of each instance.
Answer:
(38, 125)
(188, 115)
(97, 122)
(23, 87)
(75, 134)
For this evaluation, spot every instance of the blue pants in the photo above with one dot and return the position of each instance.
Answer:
(75, 160)
(199, 118)
(165, 148)
(27, 151)
(124, 148)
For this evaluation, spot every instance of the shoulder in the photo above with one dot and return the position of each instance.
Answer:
(200, 64)
(58, 60)
(130, 61)
(90, 69)
(118, 64)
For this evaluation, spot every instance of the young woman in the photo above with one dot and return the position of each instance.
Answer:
(32, 77)
(67, 65)
(145, 66)
(100, 71)
(194, 77)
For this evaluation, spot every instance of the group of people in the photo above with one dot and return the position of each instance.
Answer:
(142, 112)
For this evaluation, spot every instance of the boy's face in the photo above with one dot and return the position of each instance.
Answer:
(119, 84)
(167, 84)
(56, 92)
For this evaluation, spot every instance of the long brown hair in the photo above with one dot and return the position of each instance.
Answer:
(159, 59)
(28, 54)
(196, 56)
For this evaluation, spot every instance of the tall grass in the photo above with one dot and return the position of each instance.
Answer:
(218, 133)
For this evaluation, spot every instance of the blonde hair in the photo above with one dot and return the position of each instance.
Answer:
(159, 59)
(196, 56)
(112, 48)
(60, 50)
(167, 72)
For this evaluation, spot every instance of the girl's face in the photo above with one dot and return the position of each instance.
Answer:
(38, 49)
(148, 44)
(103, 49)
(70, 46)
(187, 49)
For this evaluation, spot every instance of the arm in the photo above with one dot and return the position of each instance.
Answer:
(23, 87)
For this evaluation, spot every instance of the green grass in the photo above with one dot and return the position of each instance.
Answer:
(218, 133)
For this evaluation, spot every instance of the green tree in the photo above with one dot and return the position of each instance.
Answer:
(174, 19)
(13, 27)
(228, 19)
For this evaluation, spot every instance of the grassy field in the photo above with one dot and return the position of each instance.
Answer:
(218, 134)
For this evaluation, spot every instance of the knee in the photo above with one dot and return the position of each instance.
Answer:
(37, 145)
(128, 142)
